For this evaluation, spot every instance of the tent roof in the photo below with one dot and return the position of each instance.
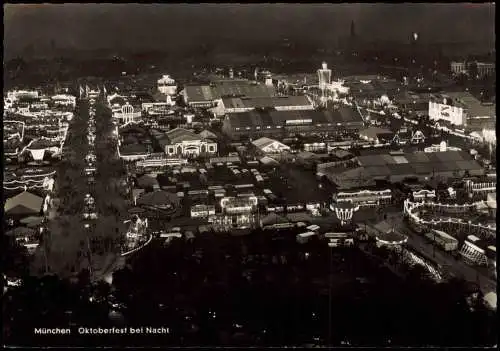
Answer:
(178, 135)
(206, 134)
(268, 161)
(26, 199)
(159, 197)
(265, 142)
(491, 299)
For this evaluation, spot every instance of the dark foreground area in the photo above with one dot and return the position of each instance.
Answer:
(260, 289)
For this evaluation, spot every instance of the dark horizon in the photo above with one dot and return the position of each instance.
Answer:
(49, 28)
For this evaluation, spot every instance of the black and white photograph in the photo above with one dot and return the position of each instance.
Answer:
(257, 175)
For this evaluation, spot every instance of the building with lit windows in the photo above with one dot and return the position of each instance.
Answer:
(15, 95)
(486, 69)
(239, 212)
(64, 100)
(458, 67)
(158, 162)
(185, 143)
(127, 113)
(424, 195)
(461, 109)
(167, 85)
(202, 211)
(364, 197)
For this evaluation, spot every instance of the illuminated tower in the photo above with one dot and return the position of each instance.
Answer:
(324, 78)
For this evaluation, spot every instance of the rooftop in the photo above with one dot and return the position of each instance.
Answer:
(25, 199)
(342, 116)
(178, 135)
(374, 132)
(417, 163)
(264, 142)
(473, 105)
(159, 197)
(262, 102)
(221, 89)
(133, 149)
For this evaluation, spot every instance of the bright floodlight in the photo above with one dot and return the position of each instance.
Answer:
(415, 36)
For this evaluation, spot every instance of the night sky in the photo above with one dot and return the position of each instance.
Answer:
(159, 27)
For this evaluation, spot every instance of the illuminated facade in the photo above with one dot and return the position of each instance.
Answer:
(180, 142)
(485, 69)
(448, 217)
(452, 114)
(422, 195)
(64, 100)
(364, 197)
(441, 147)
(345, 211)
(239, 212)
(19, 94)
(155, 161)
(127, 114)
(458, 67)
(167, 85)
(481, 187)
(472, 252)
(202, 211)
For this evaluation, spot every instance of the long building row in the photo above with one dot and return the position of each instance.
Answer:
(272, 122)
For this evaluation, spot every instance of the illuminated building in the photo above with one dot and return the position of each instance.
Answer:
(182, 142)
(364, 197)
(239, 212)
(461, 109)
(485, 69)
(473, 252)
(422, 195)
(339, 239)
(167, 85)
(387, 236)
(344, 211)
(480, 187)
(64, 100)
(202, 211)
(324, 78)
(443, 111)
(458, 67)
(20, 94)
(127, 114)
